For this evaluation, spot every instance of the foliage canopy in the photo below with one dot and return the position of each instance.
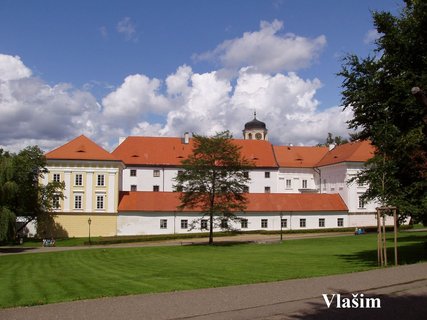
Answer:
(214, 180)
(378, 90)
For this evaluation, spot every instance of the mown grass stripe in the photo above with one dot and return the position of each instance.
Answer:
(62, 276)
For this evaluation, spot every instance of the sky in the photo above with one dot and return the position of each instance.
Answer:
(110, 69)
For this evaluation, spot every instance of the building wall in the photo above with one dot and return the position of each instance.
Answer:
(76, 225)
(296, 177)
(366, 220)
(89, 190)
(140, 223)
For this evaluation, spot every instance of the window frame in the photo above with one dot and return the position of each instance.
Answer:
(303, 223)
(264, 223)
(79, 201)
(184, 223)
(156, 173)
(132, 173)
(163, 223)
(56, 177)
(100, 178)
(322, 222)
(78, 180)
(100, 202)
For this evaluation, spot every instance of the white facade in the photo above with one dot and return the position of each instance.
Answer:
(146, 223)
(336, 179)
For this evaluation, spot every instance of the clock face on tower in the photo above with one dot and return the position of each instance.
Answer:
(258, 136)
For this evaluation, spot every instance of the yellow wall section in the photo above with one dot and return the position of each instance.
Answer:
(76, 225)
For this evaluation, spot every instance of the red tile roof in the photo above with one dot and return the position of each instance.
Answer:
(167, 151)
(258, 202)
(299, 157)
(80, 148)
(359, 151)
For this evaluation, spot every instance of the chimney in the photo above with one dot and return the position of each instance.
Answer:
(121, 139)
(186, 138)
(331, 146)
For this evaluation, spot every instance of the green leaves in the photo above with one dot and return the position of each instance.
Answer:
(378, 91)
(213, 179)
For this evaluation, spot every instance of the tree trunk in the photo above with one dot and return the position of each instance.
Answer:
(211, 227)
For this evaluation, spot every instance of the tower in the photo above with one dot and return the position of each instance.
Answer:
(255, 130)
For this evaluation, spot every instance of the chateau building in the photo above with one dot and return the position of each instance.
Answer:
(130, 191)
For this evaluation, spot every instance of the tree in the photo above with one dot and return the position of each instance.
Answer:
(330, 139)
(378, 90)
(21, 193)
(214, 180)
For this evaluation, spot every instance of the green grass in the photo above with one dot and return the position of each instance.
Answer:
(70, 275)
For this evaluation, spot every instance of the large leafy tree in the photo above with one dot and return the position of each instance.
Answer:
(378, 90)
(214, 180)
(21, 193)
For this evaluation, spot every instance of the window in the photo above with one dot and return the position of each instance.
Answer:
(163, 224)
(267, 174)
(184, 224)
(361, 203)
(204, 224)
(78, 180)
(321, 222)
(224, 224)
(156, 188)
(288, 184)
(244, 223)
(246, 189)
(304, 184)
(284, 223)
(156, 173)
(100, 180)
(340, 222)
(56, 177)
(267, 189)
(302, 223)
(133, 173)
(180, 172)
(100, 202)
(77, 201)
(264, 223)
(246, 174)
(56, 204)
(133, 187)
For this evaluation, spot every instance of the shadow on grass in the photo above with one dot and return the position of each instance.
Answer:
(218, 243)
(15, 249)
(406, 254)
(392, 307)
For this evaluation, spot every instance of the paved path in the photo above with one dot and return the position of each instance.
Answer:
(402, 292)
(243, 238)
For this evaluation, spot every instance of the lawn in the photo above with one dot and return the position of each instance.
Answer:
(70, 275)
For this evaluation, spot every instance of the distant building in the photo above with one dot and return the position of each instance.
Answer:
(130, 191)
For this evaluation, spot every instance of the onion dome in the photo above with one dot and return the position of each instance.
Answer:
(255, 124)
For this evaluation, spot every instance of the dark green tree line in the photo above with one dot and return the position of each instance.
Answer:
(378, 90)
(21, 193)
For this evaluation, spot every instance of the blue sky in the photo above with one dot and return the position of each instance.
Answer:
(113, 68)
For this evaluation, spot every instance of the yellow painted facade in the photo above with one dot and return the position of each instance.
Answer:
(76, 225)
(72, 221)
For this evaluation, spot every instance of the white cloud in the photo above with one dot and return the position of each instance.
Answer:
(267, 50)
(32, 111)
(134, 99)
(207, 104)
(127, 28)
(12, 68)
(371, 36)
